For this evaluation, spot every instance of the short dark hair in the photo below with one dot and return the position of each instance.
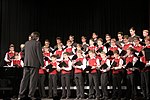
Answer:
(58, 38)
(147, 31)
(46, 40)
(113, 39)
(132, 28)
(137, 38)
(116, 52)
(79, 45)
(92, 51)
(11, 45)
(53, 56)
(147, 38)
(108, 35)
(83, 37)
(92, 39)
(126, 37)
(66, 53)
(131, 49)
(35, 35)
(100, 39)
(121, 33)
(71, 36)
(79, 51)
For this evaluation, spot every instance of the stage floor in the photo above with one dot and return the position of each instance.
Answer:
(7, 95)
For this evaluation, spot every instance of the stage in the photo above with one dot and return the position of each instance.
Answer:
(8, 77)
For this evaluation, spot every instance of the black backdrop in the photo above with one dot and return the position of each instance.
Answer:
(18, 18)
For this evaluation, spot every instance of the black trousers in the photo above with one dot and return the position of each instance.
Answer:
(65, 82)
(116, 84)
(86, 78)
(93, 77)
(145, 84)
(131, 87)
(16, 81)
(52, 85)
(41, 85)
(30, 78)
(79, 84)
(104, 83)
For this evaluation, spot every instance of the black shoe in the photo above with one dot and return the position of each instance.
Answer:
(50, 97)
(33, 98)
(14, 98)
(81, 98)
(135, 98)
(44, 96)
(21, 98)
(102, 98)
(56, 98)
(119, 98)
(147, 98)
(125, 98)
(90, 97)
(114, 98)
(77, 98)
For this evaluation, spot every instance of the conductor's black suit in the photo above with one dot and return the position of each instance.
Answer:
(32, 61)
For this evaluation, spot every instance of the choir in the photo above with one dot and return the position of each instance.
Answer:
(115, 59)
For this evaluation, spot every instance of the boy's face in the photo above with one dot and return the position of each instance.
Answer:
(65, 56)
(107, 38)
(91, 54)
(132, 32)
(58, 41)
(120, 36)
(78, 47)
(103, 55)
(68, 43)
(11, 48)
(145, 34)
(91, 42)
(79, 54)
(125, 40)
(128, 52)
(53, 59)
(71, 38)
(113, 43)
(147, 42)
(136, 42)
(116, 55)
(16, 57)
(94, 36)
(99, 42)
(83, 40)
(47, 43)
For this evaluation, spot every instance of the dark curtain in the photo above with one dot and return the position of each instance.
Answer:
(149, 15)
(19, 18)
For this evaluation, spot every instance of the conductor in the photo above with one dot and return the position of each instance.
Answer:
(33, 60)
